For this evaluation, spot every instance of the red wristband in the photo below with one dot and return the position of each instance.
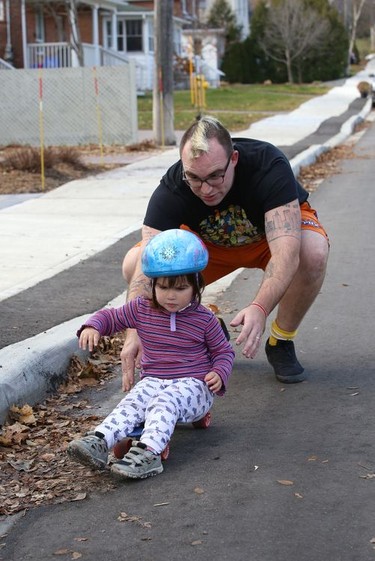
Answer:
(260, 307)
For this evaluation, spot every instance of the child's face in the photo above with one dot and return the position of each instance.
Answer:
(176, 298)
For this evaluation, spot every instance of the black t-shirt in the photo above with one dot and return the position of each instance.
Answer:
(263, 180)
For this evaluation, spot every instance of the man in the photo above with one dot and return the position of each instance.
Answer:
(241, 197)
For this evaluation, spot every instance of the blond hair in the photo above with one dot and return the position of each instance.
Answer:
(201, 132)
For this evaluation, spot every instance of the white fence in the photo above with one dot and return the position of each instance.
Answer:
(69, 106)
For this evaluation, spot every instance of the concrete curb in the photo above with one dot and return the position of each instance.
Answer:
(35, 367)
(309, 156)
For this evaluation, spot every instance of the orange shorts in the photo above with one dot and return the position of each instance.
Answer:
(224, 260)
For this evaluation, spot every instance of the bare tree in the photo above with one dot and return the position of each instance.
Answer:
(356, 9)
(71, 12)
(75, 35)
(293, 31)
(163, 110)
(51, 10)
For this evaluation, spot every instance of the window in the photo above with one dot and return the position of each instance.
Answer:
(108, 33)
(129, 35)
(39, 25)
(120, 36)
(134, 38)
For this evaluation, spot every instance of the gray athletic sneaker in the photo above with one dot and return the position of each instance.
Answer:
(138, 463)
(90, 450)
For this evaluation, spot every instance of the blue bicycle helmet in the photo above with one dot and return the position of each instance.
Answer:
(172, 253)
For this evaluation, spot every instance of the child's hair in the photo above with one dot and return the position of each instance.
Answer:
(193, 279)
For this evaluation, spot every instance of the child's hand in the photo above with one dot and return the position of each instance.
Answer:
(89, 336)
(127, 381)
(213, 381)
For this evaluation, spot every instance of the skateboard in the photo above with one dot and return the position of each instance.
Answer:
(121, 448)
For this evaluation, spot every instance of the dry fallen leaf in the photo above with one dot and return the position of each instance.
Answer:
(199, 490)
(285, 482)
(23, 415)
(214, 308)
(124, 517)
(35, 469)
(79, 497)
(21, 465)
(13, 434)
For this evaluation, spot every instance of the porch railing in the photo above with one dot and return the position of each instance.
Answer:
(61, 55)
(5, 65)
(49, 55)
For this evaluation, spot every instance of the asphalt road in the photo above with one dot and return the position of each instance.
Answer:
(284, 472)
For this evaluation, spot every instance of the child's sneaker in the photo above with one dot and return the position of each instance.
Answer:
(90, 450)
(138, 463)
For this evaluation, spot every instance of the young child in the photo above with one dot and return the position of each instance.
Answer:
(186, 358)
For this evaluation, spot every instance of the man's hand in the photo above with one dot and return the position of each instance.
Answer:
(253, 321)
(130, 358)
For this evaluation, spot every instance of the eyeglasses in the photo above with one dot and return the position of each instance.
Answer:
(214, 180)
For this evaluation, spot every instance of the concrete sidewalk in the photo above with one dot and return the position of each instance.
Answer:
(89, 224)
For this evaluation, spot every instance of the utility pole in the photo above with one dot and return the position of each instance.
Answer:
(163, 111)
(8, 54)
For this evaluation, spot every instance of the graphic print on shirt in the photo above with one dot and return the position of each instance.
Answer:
(229, 227)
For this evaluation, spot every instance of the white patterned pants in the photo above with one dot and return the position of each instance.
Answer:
(160, 404)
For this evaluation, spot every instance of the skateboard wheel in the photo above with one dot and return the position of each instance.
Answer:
(121, 448)
(203, 423)
(165, 453)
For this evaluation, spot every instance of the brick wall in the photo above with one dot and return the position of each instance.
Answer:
(51, 32)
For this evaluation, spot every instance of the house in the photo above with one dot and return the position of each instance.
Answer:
(42, 34)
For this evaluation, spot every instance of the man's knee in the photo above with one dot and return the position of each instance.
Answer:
(314, 254)
(129, 263)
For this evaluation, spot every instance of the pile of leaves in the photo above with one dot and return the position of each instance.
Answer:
(326, 165)
(20, 166)
(35, 468)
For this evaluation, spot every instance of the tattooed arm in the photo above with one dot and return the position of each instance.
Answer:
(283, 232)
(139, 285)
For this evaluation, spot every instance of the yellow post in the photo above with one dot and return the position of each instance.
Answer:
(98, 115)
(161, 102)
(191, 69)
(204, 86)
(41, 128)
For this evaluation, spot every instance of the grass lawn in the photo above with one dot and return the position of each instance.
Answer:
(236, 105)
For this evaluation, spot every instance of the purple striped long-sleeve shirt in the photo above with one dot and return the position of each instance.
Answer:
(189, 343)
